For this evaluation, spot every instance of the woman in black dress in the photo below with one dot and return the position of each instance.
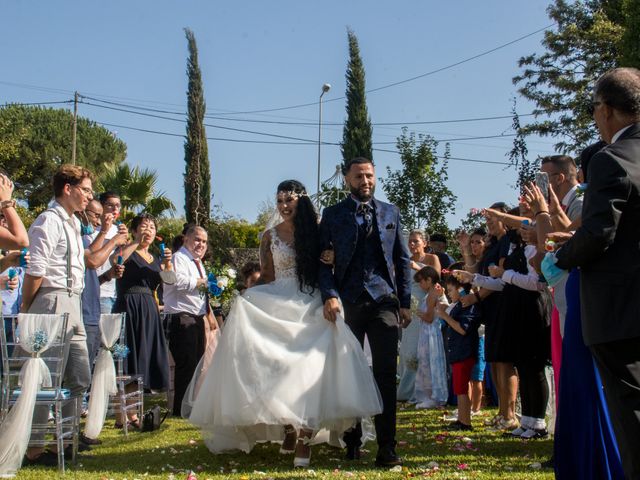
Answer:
(136, 296)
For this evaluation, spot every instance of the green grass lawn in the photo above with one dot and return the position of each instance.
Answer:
(427, 449)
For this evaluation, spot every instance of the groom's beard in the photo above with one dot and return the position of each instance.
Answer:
(362, 197)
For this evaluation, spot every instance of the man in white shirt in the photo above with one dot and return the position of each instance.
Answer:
(563, 179)
(187, 305)
(55, 279)
(111, 205)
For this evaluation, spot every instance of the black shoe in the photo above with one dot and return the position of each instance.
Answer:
(387, 458)
(89, 441)
(353, 453)
(46, 459)
(82, 447)
(458, 426)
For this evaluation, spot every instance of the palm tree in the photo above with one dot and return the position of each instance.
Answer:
(137, 190)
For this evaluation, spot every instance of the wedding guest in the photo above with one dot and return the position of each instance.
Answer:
(418, 242)
(111, 205)
(13, 235)
(606, 247)
(136, 296)
(186, 303)
(55, 279)
(431, 376)
(438, 244)
(462, 346)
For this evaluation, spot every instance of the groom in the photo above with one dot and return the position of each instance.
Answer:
(372, 278)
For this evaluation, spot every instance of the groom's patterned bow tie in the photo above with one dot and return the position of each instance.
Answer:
(366, 212)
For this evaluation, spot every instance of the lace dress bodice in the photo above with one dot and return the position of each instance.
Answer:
(284, 257)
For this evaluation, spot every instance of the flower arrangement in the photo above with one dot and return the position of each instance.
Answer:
(119, 350)
(221, 282)
(38, 340)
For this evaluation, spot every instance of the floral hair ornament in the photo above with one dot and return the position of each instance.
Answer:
(293, 194)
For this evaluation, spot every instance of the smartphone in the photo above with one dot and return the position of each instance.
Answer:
(542, 181)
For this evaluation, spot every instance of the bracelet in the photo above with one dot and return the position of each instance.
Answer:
(541, 211)
(8, 204)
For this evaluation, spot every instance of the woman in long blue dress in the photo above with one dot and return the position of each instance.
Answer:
(585, 445)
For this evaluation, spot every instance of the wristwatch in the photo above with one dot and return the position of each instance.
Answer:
(8, 204)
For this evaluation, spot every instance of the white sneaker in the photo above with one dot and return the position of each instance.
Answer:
(453, 417)
(427, 404)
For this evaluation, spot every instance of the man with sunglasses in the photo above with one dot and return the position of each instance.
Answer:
(110, 206)
(606, 247)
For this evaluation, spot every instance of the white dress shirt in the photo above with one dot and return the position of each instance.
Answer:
(184, 296)
(108, 289)
(48, 249)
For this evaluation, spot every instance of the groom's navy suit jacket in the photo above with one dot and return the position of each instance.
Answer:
(339, 230)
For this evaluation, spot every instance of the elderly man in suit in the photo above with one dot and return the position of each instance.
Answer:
(607, 249)
(371, 277)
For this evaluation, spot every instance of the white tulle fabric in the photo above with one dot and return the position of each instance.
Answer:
(280, 362)
(103, 383)
(16, 427)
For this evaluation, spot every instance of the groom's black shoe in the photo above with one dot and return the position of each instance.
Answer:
(353, 452)
(387, 457)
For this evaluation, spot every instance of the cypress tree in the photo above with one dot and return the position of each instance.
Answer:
(356, 135)
(197, 177)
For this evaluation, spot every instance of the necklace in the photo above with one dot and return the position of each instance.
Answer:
(146, 255)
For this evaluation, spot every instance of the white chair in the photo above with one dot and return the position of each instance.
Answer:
(32, 378)
(123, 402)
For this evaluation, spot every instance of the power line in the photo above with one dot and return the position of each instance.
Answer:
(432, 72)
(314, 123)
(285, 137)
(450, 158)
(20, 104)
(222, 139)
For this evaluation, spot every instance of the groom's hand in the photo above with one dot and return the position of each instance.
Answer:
(331, 309)
(405, 317)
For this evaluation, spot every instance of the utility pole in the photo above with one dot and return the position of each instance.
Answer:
(75, 128)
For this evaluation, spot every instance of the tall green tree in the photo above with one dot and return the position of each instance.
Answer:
(630, 42)
(197, 176)
(35, 141)
(357, 131)
(137, 190)
(518, 155)
(419, 188)
(584, 45)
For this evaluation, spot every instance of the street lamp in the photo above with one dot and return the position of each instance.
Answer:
(325, 88)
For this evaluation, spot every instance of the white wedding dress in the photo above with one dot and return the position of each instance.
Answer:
(279, 362)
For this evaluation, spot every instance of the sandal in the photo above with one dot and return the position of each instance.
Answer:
(289, 442)
(130, 423)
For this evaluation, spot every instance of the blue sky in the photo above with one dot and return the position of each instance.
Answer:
(263, 55)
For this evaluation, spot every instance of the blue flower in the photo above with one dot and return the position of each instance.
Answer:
(214, 289)
(120, 350)
(38, 340)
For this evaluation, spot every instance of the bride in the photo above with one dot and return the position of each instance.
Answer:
(281, 372)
